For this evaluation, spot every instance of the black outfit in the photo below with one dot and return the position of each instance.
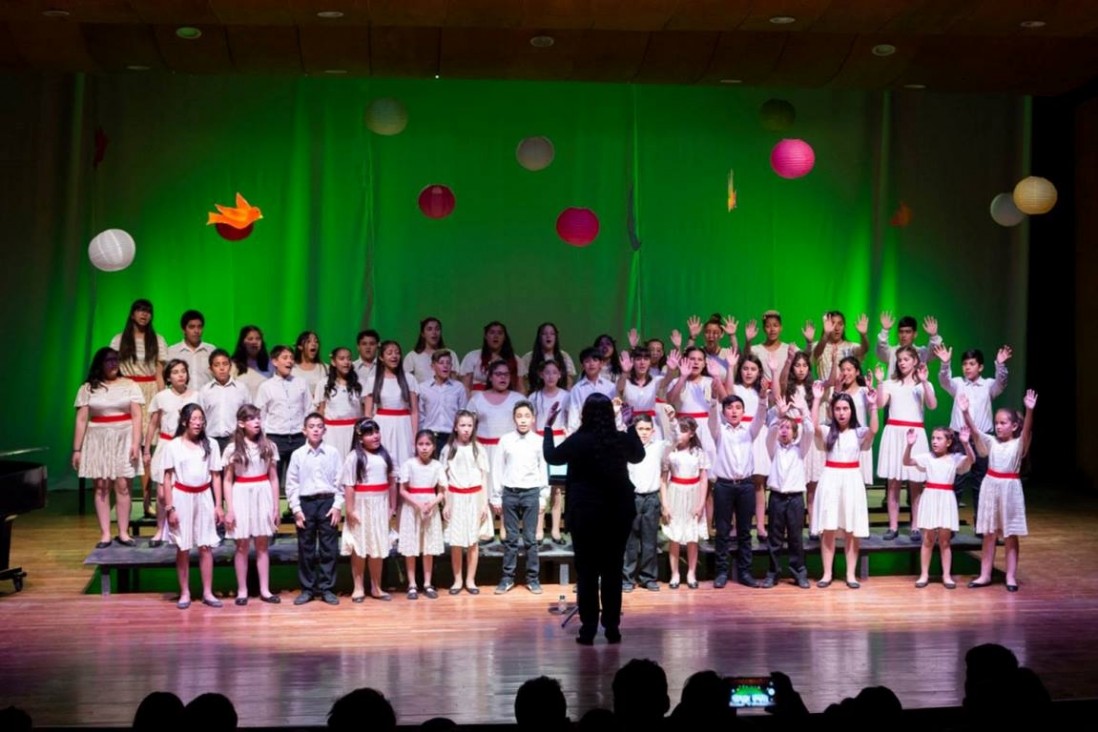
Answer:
(734, 498)
(600, 510)
(285, 444)
(786, 522)
(974, 478)
(520, 505)
(643, 536)
(317, 545)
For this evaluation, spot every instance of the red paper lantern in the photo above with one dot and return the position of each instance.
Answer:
(436, 201)
(578, 226)
(231, 233)
(792, 158)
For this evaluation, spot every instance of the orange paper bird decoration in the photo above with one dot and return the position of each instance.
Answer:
(240, 217)
(731, 192)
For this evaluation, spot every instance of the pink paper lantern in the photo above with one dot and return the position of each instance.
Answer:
(578, 226)
(436, 201)
(792, 158)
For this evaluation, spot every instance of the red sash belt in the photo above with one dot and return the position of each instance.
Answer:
(556, 433)
(488, 440)
(646, 412)
(1002, 476)
(695, 415)
(342, 422)
(685, 481)
(903, 423)
(393, 413)
(836, 464)
(940, 486)
(410, 489)
(372, 488)
(112, 418)
(192, 488)
(746, 418)
(142, 379)
(480, 387)
(250, 478)
(463, 491)
(166, 436)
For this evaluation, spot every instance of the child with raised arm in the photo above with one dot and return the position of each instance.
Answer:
(522, 478)
(422, 488)
(1002, 503)
(316, 501)
(980, 393)
(834, 327)
(909, 394)
(788, 443)
(907, 329)
(840, 495)
(465, 464)
(949, 454)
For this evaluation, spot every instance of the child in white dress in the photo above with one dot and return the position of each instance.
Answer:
(682, 498)
(192, 465)
(393, 402)
(465, 464)
(549, 393)
(494, 408)
(948, 456)
(369, 489)
(1002, 509)
(908, 394)
(163, 419)
(422, 488)
(340, 399)
(251, 500)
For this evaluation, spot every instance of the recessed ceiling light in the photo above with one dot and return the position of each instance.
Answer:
(56, 13)
(914, 86)
(1032, 24)
(335, 72)
(188, 33)
(884, 49)
(437, 76)
(330, 14)
(137, 67)
(731, 81)
(542, 41)
(783, 19)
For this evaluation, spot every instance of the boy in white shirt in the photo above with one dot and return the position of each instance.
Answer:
(788, 442)
(523, 479)
(284, 400)
(440, 399)
(195, 352)
(640, 567)
(221, 398)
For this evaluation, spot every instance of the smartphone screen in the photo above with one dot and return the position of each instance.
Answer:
(745, 692)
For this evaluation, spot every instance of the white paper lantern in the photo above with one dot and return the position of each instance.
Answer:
(1034, 195)
(112, 250)
(1004, 212)
(386, 116)
(535, 153)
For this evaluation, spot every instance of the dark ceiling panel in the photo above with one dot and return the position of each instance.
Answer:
(407, 52)
(810, 59)
(269, 49)
(746, 57)
(117, 47)
(709, 15)
(325, 48)
(675, 57)
(175, 12)
(206, 55)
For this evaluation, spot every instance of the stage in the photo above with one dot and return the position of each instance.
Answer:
(73, 657)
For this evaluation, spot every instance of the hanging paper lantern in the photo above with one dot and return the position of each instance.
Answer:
(231, 233)
(234, 223)
(436, 201)
(1034, 195)
(792, 158)
(578, 226)
(386, 116)
(535, 153)
(1004, 212)
(112, 250)
(777, 115)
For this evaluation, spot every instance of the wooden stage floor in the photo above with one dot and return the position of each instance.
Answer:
(72, 657)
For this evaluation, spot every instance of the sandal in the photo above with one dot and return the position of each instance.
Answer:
(431, 592)
(413, 594)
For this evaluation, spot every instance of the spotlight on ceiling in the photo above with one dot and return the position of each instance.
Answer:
(884, 49)
(783, 19)
(188, 33)
(542, 41)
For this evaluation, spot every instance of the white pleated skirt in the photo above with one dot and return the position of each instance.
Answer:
(890, 462)
(464, 528)
(370, 536)
(938, 510)
(253, 509)
(106, 451)
(840, 503)
(1002, 507)
(682, 500)
(197, 522)
(341, 437)
(420, 536)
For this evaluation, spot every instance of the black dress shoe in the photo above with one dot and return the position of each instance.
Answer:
(272, 599)
(102, 544)
(240, 601)
(613, 636)
(155, 543)
(720, 581)
(768, 583)
(585, 640)
(749, 582)
(125, 542)
(303, 598)
(1012, 588)
(974, 585)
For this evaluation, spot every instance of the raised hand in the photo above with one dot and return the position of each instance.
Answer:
(911, 436)
(1030, 399)
(818, 390)
(871, 398)
(800, 403)
(887, 320)
(880, 372)
(626, 360)
(930, 325)
(634, 338)
(673, 359)
(694, 325)
(862, 326)
(966, 435)
(943, 354)
(713, 365)
(731, 325)
(809, 331)
(733, 361)
(554, 410)
(791, 352)
(1004, 354)
(669, 410)
(751, 330)
(782, 405)
(869, 379)
(921, 373)
(676, 338)
(829, 324)
(962, 402)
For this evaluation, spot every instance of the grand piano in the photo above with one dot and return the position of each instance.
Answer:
(22, 489)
